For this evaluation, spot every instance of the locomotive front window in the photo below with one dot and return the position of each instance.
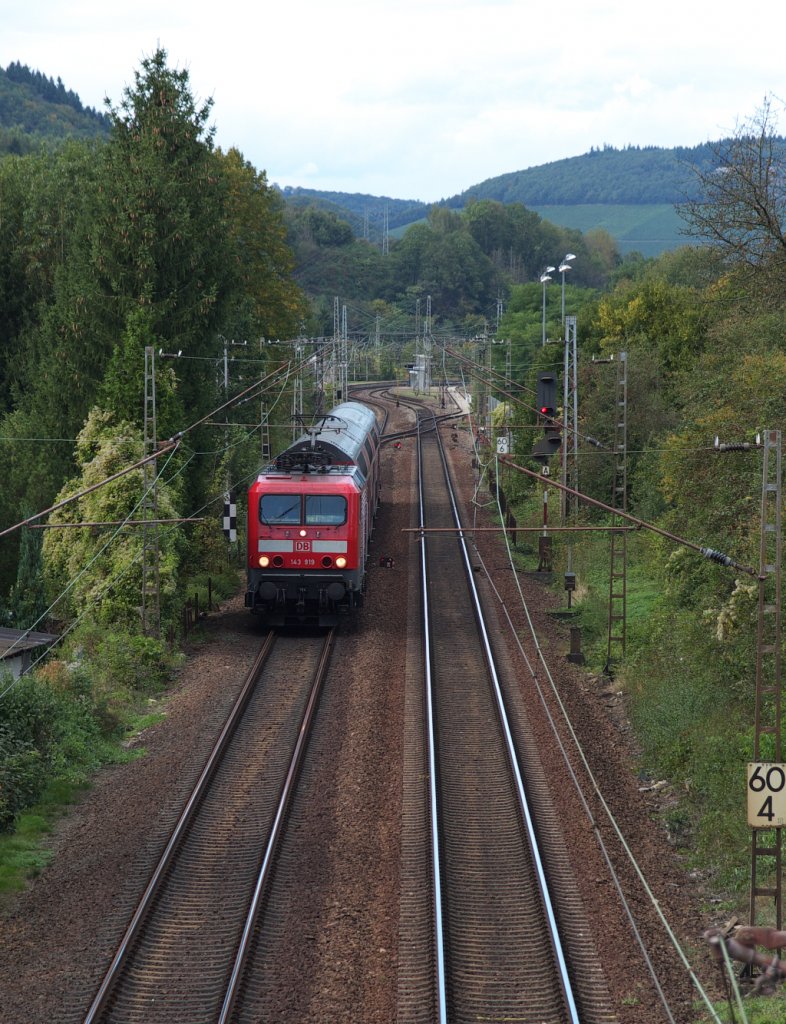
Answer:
(325, 510)
(280, 509)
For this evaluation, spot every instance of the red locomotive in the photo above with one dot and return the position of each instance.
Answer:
(310, 518)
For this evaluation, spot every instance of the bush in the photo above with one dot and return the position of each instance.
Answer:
(139, 663)
(119, 665)
(21, 776)
(55, 722)
(43, 734)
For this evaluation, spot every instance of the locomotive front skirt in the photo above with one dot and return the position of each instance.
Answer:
(310, 517)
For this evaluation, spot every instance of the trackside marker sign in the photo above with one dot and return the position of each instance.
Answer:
(766, 795)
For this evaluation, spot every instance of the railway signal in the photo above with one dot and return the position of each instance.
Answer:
(547, 393)
(547, 410)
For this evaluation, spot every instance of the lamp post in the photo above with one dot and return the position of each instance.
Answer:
(544, 280)
(565, 265)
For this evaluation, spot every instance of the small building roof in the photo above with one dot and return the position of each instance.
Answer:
(14, 641)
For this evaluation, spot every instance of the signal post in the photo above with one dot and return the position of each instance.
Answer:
(541, 452)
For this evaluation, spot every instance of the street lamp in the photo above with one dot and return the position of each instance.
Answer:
(565, 265)
(544, 280)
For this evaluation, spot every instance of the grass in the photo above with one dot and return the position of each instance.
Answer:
(24, 853)
(141, 722)
(759, 1010)
(648, 228)
(590, 600)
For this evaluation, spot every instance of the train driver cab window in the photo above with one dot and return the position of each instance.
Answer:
(325, 510)
(280, 509)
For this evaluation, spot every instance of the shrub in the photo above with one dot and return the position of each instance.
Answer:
(21, 776)
(43, 734)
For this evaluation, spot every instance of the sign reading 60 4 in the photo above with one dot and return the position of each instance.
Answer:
(766, 795)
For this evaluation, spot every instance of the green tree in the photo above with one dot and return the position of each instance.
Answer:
(14, 300)
(55, 355)
(122, 389)
(264, 299)
(161, 238)
(26, 603)
(517, 240)
(654, 315)
(318, 227)
(447, 264)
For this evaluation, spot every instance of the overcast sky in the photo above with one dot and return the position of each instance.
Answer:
(421, 99)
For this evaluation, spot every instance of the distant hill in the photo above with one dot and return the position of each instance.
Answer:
(635, 175)
(358, 209)
(632, 193)
(36, 110)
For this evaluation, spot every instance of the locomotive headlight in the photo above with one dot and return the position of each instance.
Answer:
(341, 562)
(302, 533)
(264, 561)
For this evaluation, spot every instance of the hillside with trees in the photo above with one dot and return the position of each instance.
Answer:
(464, 261)
(36, 110)
(633, 175)
(153, 240)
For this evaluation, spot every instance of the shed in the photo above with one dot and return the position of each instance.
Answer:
(19, 647)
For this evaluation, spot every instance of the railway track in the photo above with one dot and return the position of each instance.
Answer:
(182, 957)
(494, 949)
(381, 397)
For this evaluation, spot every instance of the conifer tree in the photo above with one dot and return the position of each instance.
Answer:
(160, 239)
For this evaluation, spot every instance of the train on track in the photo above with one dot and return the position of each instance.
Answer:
(310, 517)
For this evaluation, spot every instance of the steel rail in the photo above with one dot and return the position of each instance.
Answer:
(439, 938)
(414, 431)
(104, 991)
(512, 757)
(233, 986)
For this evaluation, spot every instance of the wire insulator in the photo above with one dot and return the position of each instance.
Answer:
(735, 446)
(717, 556)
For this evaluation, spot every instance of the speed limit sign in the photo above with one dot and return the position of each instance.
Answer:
(766, 795)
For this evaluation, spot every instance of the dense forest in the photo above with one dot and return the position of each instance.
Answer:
(38, 111)
(152, 240)
(52, 91)
(635, 174)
